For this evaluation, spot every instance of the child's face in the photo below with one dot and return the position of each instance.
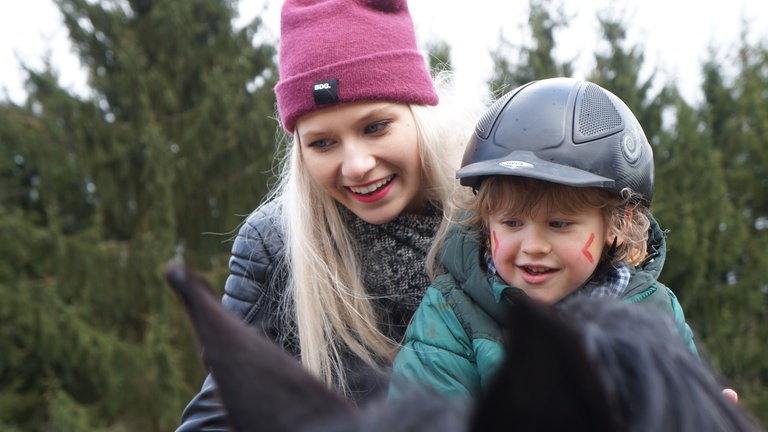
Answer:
(547, 254)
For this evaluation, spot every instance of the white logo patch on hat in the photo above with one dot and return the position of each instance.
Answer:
(326, 92)
(514, 165)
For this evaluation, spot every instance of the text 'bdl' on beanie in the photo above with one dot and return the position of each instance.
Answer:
(337, 51)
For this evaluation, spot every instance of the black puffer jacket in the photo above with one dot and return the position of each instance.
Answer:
(253, 289)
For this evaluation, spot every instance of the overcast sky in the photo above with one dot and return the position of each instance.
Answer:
(675, 33)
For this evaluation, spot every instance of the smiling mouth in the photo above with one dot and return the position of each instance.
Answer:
(535, 271)
(371, 188)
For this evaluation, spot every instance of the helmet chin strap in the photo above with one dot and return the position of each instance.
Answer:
(612, 250)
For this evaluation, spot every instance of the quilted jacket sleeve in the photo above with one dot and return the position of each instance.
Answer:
(257, 275)
(252, 292)
(437, 353)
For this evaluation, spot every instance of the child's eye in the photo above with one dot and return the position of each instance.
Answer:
(511, 223)
(378, 127)
(559, 224)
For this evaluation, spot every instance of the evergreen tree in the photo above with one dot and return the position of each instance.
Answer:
(737, 114)
(536, 61)
(439, 57)
(174, 140)
(704, 227)
(695, 202)
(618, 70)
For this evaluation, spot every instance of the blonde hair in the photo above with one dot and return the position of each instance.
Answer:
(624, 216)
(325, 298)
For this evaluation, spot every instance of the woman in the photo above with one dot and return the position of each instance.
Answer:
(332, 265)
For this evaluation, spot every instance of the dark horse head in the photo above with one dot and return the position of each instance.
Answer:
(590, 365)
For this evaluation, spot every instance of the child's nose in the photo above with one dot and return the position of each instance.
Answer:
(535, 243)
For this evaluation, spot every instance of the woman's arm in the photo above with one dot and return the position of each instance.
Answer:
(252, 292)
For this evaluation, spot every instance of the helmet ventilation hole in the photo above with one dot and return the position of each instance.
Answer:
(597, 116)
(485, 124)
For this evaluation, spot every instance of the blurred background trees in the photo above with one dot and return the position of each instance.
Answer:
(171, 149)
(175, 145)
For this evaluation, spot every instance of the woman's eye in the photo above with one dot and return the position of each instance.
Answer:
(377, 127)
(320, 144)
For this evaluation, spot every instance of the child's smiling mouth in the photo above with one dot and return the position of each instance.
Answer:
(536, 270)
(536, 274)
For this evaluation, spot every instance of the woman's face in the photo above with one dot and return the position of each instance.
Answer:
(366, 156)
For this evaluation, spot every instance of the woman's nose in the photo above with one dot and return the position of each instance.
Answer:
(358, 160)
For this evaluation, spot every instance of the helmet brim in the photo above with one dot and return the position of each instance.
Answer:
(526, 164)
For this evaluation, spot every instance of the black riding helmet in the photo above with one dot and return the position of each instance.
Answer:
(564, 131)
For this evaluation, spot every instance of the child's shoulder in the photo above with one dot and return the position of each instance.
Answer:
(656, 296)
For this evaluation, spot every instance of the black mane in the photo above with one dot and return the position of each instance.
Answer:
(593, 365)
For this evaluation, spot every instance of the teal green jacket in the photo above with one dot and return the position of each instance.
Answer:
(454, 343)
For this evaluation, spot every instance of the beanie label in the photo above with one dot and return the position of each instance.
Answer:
(326, 92)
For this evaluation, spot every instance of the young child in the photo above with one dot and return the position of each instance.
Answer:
(563, 180)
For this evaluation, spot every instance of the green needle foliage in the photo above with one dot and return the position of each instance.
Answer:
(174, 140)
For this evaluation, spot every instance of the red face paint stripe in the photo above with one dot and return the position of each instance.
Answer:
(586, 251)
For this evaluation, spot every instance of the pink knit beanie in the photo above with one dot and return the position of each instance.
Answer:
(337, 51)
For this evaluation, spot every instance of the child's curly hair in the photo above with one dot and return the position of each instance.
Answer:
(625, 215)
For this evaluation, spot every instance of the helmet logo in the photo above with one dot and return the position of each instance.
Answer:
(516, 164)
(630, 148)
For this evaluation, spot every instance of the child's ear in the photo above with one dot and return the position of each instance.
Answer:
(611, 236)
(617, 229)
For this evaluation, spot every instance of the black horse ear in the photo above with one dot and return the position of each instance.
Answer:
(546, 382)
(261, 386)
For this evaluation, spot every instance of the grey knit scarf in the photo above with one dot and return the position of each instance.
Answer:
(393, 258)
